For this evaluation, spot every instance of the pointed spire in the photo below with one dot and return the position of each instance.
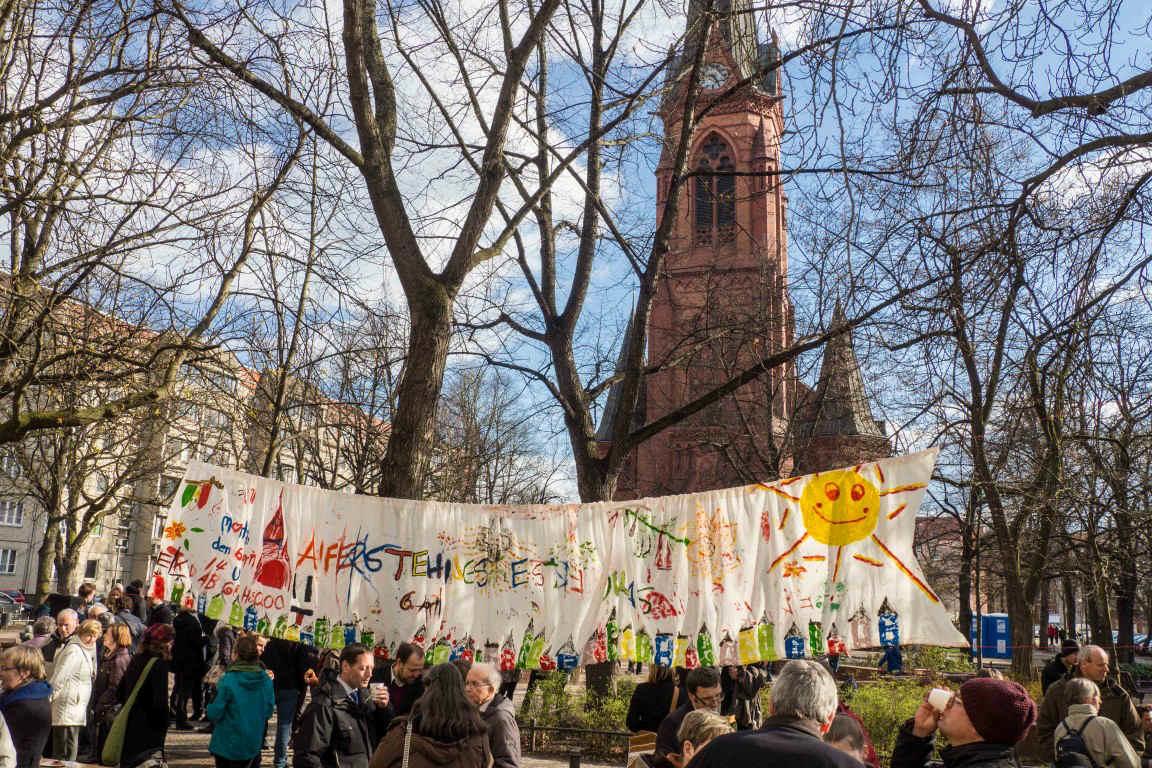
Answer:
(760, 143)
(841, 402)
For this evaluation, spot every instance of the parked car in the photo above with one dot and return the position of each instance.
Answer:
(16, 594)
(10, 610)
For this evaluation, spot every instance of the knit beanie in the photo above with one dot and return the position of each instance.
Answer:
(1069, 646)
(1001, 711)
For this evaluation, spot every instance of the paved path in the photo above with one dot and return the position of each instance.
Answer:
(189, 749)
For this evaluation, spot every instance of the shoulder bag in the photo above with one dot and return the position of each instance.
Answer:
(114, 744)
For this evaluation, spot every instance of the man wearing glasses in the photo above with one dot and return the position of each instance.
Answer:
(704, 692)
(497, 712)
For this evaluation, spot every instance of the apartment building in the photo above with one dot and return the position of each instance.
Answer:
(126, 473)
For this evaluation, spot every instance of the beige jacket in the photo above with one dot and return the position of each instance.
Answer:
(1105, 741)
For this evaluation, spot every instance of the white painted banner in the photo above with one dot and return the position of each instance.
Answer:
(784, 569)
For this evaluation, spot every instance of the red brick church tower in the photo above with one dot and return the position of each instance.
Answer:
(722, 300)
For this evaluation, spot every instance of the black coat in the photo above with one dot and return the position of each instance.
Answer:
(28, 714)
(334, 731)
(911, 751)
(188, 645)
(287, 660)
(1053, 671)
(148, 719)
(649, 705)
(667, 742)
(503, 732)
(783, 741)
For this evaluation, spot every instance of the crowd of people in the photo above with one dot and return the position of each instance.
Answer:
(104, 681)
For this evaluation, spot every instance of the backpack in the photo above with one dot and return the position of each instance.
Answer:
(1071, 751)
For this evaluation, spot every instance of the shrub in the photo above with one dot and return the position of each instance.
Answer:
(884, 706)
(1137, 670)
(938, 660)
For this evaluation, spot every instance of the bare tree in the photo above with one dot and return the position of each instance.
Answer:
(367, 68)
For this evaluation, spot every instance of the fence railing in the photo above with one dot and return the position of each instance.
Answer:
(575, 743)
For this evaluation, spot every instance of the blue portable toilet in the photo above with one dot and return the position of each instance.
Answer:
(996, 636)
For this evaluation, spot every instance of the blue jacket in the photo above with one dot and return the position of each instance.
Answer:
(244, 702)
(29, 716)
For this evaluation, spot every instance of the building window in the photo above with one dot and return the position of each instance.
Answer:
(714, 196)
(217, 419)
(90, 569)
(168, 485)
(7, 561)
(11, 513)
(10, 465)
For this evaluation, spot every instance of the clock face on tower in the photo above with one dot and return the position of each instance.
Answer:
(713, 75)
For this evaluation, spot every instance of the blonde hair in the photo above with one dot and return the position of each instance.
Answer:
(700, 726)
(90, 629)
(122, 635)
(26, 659)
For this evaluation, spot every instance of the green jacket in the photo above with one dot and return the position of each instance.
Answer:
(244, 702)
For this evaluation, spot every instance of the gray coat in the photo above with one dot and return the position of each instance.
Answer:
(503, 732)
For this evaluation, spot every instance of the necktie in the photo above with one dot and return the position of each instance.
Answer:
(355, 695)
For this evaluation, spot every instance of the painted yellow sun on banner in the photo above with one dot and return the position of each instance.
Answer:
(843, 507)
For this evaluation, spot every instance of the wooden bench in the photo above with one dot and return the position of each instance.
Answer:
(641, 745)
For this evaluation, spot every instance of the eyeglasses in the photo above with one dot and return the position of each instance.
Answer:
(9, 669)
(710, 701)
(476, 684)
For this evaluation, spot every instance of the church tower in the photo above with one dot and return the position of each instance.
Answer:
(721, 302)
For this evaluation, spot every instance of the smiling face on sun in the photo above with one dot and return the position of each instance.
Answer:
(840, 507)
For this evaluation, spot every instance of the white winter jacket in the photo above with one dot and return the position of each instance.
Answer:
(7, 748)
(72, 677)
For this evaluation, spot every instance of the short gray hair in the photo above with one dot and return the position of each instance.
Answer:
(45, 625)
(491, 674)
(67, 613)
(806, 690)
(1080, 690)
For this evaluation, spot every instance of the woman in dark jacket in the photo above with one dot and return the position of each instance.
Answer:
(446, 728)
(25, 703)
(109, 673)
(148, 719)
(652, 701)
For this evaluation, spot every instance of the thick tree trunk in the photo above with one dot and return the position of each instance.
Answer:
(46, 559)
(1125, 619)
(1070, 618)
(1045, 609)
(964, 586)
(1020, 613)
(1099, 618)
(66, 578)
(405, 463)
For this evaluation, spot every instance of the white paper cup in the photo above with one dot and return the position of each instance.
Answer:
(938, 698)
(376, 688)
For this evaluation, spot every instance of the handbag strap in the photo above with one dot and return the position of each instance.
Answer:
(139, 684)
(407, 745)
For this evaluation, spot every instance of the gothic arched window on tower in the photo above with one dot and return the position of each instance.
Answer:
(715, 194)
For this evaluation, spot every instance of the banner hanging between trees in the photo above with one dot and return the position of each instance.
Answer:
(775, 570)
